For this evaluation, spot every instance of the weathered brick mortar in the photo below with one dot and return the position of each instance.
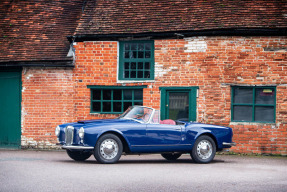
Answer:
(47, 100)
(212, 63)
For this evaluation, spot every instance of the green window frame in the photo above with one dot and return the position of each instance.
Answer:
(253, 104)
(136, 60)
(114, 99)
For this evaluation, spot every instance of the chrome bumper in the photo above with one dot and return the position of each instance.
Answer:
(77, 147)
(229, 144)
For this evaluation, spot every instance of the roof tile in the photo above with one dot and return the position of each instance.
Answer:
(37, 29)
(141, 16)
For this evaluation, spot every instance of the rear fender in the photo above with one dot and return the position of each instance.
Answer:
(207, 133)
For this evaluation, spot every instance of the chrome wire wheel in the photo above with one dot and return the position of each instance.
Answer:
(204, 149)
(109, 149)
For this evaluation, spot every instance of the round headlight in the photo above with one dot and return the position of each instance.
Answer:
(57, 131)
(81, 133)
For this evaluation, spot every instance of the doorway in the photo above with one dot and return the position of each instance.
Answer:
(178, 103)
(10, 109)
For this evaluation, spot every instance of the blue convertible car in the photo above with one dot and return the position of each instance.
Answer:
(139, 130)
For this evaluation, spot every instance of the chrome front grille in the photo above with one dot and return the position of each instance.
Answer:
(69, 135)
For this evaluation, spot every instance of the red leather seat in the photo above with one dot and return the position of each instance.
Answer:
(168, 121)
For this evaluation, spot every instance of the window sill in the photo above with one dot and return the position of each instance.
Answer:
(135, 81)
(252, 123)
(105, 113)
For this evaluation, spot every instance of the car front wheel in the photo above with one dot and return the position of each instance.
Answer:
(108, 149)
(78, 155)
(171, 156)
(204, 150)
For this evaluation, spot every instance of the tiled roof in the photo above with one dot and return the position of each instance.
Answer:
(36, 30)
(144, 16)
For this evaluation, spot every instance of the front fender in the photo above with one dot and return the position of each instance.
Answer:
(116, 132)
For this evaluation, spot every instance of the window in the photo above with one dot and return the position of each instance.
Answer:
(136, 60)
(253, 104)
(115, 99)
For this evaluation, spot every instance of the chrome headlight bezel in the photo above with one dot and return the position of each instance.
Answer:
(57, 131)
(81, 132)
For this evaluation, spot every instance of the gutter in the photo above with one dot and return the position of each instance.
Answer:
(39, 63)
(182, 34)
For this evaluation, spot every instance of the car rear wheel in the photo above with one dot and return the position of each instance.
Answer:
(204, 150)
(171, 156)
(78, 155)
(108, 149)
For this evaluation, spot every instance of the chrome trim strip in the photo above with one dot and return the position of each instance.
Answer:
(229, 144)
(159, 145)
(76, 147)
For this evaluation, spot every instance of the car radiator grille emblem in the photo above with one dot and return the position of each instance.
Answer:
(69, 135)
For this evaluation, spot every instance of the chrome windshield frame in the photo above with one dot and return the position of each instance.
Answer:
(142, 122)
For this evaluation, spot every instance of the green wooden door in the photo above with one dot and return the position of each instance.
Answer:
(178, 103)
(10, 109)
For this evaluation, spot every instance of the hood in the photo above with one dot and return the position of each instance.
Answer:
(99, 123)
(104, 121)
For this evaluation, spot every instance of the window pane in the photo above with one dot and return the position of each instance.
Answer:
(265, 96)
(141, 46)
(107, 107)
(96, 94)
(127, 105)
(133, 74)
(147, 54)
(139, 103)
(127, 65)
(147, 46)
(117, 94)
(147, 65)
(140, 74)
(134, 46)
(117, 107)
(127, 54)
(133, 65)
(126, 74)
(264, 114)
(97, 106)
(107, 95)
(242, 113)
(140, 65)
(138, 94)
(128, 94)
(178, 106)
(140, 54)
(134, 54)
(146, 74)
(127, 46)
(243, 95)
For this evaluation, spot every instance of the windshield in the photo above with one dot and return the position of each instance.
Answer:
(137, 113)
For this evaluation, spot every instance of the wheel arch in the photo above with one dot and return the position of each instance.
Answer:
(126, 147)
(210, 135)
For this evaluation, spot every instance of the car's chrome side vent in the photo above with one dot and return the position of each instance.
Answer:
(69, 135)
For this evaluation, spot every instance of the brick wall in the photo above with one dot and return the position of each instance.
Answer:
(47, 101)
(213, 64)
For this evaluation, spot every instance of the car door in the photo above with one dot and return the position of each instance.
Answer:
(163, 134)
